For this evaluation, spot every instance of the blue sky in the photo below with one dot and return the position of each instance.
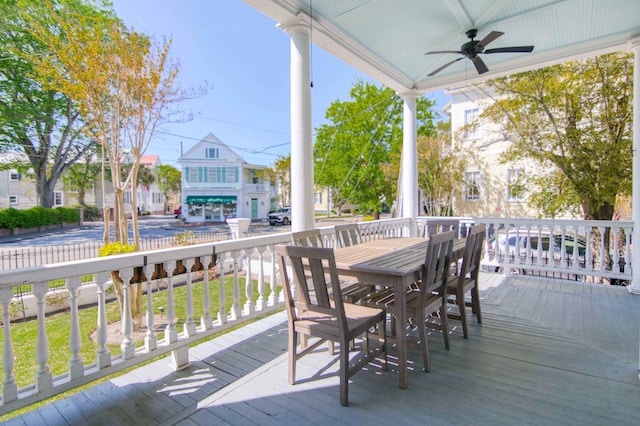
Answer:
(244, 59)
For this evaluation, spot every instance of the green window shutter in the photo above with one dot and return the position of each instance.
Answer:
(219, 173)
(237, 177)
(186, 174)
(200, 174)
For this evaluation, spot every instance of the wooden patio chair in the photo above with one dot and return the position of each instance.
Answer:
(352, 292)
(429, 297)
(348, 235)
(465, 279)
(436, 226)
(323, 317)
(311, 238)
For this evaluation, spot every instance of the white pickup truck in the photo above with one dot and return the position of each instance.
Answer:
(282, 216)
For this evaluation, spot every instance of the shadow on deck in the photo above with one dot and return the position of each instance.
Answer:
(548, 352)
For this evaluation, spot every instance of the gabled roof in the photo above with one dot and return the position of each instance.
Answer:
(198, 151)
(150, 161)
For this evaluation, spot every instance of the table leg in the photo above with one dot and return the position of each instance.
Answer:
(401, 319)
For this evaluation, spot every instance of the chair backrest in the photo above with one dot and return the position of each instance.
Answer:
(473, 251)
(436, 226)
(436, 265)
(310, 269)
(311, 238)
(348, 235)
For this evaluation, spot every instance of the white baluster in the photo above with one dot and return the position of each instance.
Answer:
(273, 296)
(44, 378)
(588, 256)
(103, 354)
(150, 339)
(261, 302)
(9, 386)
(128, 345)
(602, 251)
(206, 321)
(189, 324)
(76, 365)
(248, 287)
(235, 307)
(170, 332)
(222, 312)
(616, 253)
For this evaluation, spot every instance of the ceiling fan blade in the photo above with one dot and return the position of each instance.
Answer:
(512, 49)
(443, 51)
(481, 67)
(488, 39)
(444, 66)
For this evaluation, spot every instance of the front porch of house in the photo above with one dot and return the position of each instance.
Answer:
(548, 352)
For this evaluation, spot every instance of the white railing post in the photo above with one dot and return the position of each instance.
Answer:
(261, 302)
(206, 321)
(248, 286)
(235, 306)
(189, 326)
(170, 331)
(273, 296)
(150, 339)
(9, 386)
(76, 365)
(222, 312)
(128, 345)
(103, 354)
(44, 379)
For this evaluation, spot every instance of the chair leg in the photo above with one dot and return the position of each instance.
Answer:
(344, 370)
(463, 313)
(382, 338)
(443, 324)
(422, 332)
(293, 354)
(475, 299)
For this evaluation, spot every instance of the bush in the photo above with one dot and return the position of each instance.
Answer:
(91, 213)
(37, 216)
(9, 218)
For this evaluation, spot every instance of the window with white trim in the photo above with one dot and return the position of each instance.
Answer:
(470, 116)
(212, 153)
(13, 199)
(472, 185)
(57, 198)
(15, 176)
(317, 198)
(516, 190)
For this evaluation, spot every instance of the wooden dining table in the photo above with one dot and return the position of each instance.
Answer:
(394, 263)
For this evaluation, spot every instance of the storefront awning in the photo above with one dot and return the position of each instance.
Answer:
(211, 199)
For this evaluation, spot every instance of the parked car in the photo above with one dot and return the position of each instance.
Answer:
(511, 243)
(282, 216)
(177, 212)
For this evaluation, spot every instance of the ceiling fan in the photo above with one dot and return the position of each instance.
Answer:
(473, 48)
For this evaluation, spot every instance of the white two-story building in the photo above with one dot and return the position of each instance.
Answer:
(218, 184)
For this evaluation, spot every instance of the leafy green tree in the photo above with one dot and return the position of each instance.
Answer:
(169, 182)
(40, 123)
(358, 154)
(282, 168)
(575, 120)
(82, 176)
(440, 170)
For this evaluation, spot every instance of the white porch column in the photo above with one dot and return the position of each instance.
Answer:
(409, 158)
(302, 214)
(635, 203)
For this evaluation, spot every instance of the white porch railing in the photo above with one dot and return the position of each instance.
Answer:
(249, 257)
(565, 248)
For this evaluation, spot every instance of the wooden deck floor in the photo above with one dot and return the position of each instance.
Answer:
(548, 352)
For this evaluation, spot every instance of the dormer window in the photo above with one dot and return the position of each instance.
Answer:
(212, 152)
